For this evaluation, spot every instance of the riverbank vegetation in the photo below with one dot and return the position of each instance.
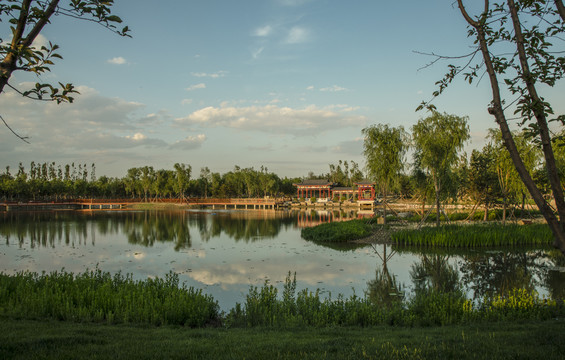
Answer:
(98, 297)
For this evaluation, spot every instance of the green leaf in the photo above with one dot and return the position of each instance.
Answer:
(114, 18)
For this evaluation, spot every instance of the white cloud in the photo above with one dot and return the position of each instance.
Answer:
(273, 119)
(215, 75)
(117, 61)
(91, 122)
(256, 52)
(263, 31)
(186, 101)
(334, 88)
(189, 143)
(196, 87)
(297, 35)
(293, 2)
(137, 137)
(310, 87)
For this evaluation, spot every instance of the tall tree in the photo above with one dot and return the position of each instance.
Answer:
(385, 148)
(531, 31)
(483, 180)
(182, 174)
(27, 19)
(437, 141)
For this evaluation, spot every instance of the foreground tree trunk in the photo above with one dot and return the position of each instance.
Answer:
(556, 224)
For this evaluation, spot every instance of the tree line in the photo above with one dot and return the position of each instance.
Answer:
(51, 181)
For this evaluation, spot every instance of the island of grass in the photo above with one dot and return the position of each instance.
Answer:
(447, 236)
(338, 231)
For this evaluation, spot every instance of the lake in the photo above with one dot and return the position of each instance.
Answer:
(226, 252)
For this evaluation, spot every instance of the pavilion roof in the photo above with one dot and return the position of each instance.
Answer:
(365, 182)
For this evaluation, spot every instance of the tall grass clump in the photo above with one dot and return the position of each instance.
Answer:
(96, 296)
(338, 231)
(472, 236)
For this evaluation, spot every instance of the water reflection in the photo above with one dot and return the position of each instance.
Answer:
(240, 225)
(434, 274)
(384, 289)
(224, 252)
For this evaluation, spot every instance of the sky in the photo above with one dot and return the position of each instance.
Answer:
(285, 84)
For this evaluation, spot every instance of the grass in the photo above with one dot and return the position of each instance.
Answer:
(474, 236)
(95, 296)
(338, 231)
(49, 339)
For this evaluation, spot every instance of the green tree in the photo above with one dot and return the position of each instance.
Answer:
(182, 175)
(437, 141)
(206, 177)
(483, 179)
(531, 31)
(27, 19)
(385, 148)
(510, 183)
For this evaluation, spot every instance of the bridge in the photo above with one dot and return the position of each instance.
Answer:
(113, 204)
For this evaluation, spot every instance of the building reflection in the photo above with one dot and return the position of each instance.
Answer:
(311, 218)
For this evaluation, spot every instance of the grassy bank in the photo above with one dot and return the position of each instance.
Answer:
(476, 235)
(26, 339)
(97, 297)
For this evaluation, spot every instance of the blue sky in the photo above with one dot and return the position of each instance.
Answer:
(287, 84)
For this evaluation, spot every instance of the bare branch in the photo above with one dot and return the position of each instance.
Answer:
(23, 138)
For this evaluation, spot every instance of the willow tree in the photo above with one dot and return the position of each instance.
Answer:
(385, 148)
(437, 142)
(520, 44)
(510, 183)
(27, 19)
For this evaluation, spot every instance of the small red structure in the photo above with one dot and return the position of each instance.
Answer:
(365, 190)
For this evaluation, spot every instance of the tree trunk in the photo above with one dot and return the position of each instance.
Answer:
(498, 111)
(384, 207)
(504, 209)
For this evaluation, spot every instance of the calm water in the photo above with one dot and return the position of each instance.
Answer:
(226, 252)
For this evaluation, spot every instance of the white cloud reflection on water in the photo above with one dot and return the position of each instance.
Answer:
(221, 265)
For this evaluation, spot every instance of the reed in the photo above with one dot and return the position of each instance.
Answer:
(474, 236)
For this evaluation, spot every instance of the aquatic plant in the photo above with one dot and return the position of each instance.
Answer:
(470, 236)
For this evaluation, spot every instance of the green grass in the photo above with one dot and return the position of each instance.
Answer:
(338, 231)
(474, 236)
(95, 296)
(49, 339)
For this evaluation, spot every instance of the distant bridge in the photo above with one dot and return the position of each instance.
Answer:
(110, 204)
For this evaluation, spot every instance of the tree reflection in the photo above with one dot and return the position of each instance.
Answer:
(246, 226)
(147, 227)
(384, 289)
(491, 274)
(434, 274)
(554, 277)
